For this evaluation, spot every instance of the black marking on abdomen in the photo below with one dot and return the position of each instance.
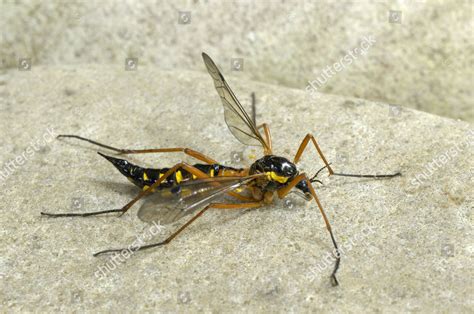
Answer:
(145, 177)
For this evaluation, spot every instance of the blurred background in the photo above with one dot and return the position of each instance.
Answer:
(413, 53)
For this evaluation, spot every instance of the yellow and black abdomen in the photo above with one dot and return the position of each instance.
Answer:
(145, 177)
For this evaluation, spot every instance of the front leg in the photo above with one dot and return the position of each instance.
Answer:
(303, 145)
(286, 189)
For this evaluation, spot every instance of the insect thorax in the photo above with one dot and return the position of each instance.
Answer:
(279, 171)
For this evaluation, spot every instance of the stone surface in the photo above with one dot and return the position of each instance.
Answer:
(422, 55)
(407, 241)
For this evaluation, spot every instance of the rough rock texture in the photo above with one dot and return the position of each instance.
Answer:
(407, 241)
(422, 56)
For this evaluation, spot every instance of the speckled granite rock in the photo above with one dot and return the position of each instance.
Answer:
(407, 242)
(422, 55)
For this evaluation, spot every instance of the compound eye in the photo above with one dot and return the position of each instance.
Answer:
(303, 187)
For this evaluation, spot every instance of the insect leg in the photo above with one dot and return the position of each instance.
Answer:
(331, 172)
(174, 234)
(285, 190)
(241, 197)
(198, 173)
(266, 129)
(254, 108)
(303, 145)
(268, 137)
(187, 151)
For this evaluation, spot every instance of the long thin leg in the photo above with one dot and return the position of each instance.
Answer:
(187, 151)
(194, 171)
(376, 176)
(240, 196)
(266, 128)
(198, 173)
(303, 145)
(331, 172)
(285, 190)
(268, 137)
(174, 234)
(254, 108)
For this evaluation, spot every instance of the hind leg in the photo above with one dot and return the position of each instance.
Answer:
(198, 173)
(172, 236)
(187, 151)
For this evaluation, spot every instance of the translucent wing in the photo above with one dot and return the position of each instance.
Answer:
(237, 119)
(171, 204)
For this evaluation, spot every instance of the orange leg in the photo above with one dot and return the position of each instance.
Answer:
(174, 234)
(241, 197)
(198, 173)
(268, 137)
(303, 145)
(266, 129)
(194, 171)
(285, 190)
(331, 172)
(187, 151)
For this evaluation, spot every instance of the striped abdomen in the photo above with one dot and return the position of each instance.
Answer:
(145, 177)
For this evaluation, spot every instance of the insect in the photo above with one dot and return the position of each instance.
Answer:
(186, 189)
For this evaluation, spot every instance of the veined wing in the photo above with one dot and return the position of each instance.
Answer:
(237, 119)
(169, 205)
